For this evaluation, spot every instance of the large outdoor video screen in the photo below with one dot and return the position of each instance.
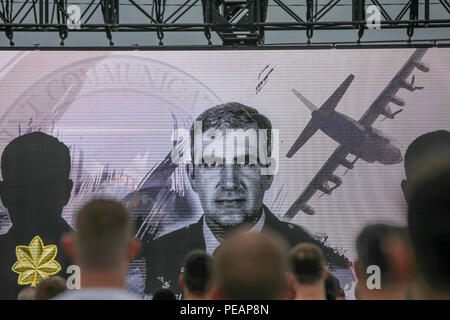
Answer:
(306, 143)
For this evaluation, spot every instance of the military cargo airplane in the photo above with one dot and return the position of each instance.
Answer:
(355, 137)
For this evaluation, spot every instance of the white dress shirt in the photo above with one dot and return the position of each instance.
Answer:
(211, 241)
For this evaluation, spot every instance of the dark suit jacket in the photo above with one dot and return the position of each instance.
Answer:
(165, 255)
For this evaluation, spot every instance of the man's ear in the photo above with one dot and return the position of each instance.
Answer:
(400, 259)
(133, 248)
(190, 170)
(289, 289)
(325, 273)
(181, 281)
(68, 244)
(404, 185)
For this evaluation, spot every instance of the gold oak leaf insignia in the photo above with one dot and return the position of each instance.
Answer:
(35, 262)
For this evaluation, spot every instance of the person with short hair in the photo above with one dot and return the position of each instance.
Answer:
(332, 286)
(427, 189)
(50, 288)
(102, 246)
(429, 229)
(251, 266)
(197, 276)
(307, 272)
(27, 293)
(387, 248)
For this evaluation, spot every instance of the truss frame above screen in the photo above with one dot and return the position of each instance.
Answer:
(236, 22)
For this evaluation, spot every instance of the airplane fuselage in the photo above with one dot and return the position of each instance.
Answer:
(368, 144)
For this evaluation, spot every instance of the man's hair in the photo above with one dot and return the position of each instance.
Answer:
(371, 245)
(164, 294)
(198, 271)
(306, 262)
(36, 155)
(232, 115)
(332, 286)
(251, 266)
(27, 293)
(50, 288)
(429, 228)
(103, 231)
(426, 152)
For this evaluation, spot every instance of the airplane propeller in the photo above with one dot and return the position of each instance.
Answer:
(412, 84)
(392, 116)
(354, 161)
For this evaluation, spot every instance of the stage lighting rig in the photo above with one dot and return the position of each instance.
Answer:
(358, 15)
(110, 11)
(234, 19)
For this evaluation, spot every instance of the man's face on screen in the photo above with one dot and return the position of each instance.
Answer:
(230, 193)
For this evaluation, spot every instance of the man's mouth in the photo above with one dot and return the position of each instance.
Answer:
(229, 202)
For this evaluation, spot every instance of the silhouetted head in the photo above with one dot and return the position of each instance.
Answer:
(429, 229)
(198, 274)
(164, 294)
(251, 266)
(35, 170)
(50, 288)
(424, 155)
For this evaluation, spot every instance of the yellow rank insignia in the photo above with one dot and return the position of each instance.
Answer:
(35, 262)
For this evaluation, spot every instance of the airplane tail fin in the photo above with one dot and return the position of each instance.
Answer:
(305, 101)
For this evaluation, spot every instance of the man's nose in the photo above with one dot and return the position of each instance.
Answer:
(229, 177)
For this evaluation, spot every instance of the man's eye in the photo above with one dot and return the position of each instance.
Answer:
(209, 165)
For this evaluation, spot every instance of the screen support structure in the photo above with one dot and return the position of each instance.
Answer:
(236, 22)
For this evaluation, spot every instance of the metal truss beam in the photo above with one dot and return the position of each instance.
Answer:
(229, 18)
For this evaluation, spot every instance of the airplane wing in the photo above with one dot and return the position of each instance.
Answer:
(306, 134)
(388, 94)
(333, 162)
(369, 117)
(336, 97)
